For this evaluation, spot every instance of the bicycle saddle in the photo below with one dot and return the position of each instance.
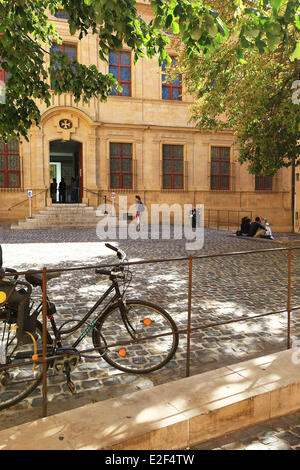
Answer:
(36, 279)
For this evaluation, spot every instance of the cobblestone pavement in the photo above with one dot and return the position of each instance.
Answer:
(224, 288)
(277, 434)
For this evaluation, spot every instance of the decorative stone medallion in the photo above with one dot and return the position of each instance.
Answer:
(65, 124)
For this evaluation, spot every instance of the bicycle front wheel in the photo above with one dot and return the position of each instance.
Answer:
(19, 381)
(152, 343)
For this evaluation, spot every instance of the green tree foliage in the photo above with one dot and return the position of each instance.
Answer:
(249, 90)
(27, 36)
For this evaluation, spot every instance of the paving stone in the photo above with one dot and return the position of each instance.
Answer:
(223, 289)
(280, 446)
(90, 384)
(289, 438)
(269, 439)
(256, 446)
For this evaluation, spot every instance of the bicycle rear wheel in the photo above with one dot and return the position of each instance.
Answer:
(18, 382)
(154, 341)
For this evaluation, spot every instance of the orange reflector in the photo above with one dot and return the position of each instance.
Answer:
(122, 352)
(147, 321)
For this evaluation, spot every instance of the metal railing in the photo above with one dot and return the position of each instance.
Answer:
(225, 219)
(182, 331)
(26, 200)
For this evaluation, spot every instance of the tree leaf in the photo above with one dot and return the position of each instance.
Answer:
(296, 53)
(276, 4)
(175, 27)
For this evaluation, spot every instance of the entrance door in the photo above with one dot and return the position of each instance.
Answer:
(66, 163)
(55, 173)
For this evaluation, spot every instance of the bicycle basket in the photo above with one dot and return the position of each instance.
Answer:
(17, 303)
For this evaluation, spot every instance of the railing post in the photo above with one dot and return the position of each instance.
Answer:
(289, 297)
(188, 339)
(44, 284)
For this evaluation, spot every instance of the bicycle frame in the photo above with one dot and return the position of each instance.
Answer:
(117, 297)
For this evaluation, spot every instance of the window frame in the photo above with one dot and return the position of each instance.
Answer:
(3, 72)
(7, 171)
(61, 17)
(260, 183)
(169, 85)
(120, 66)
(172, 173)
(63, 44)
(220, 174)
(121, 173)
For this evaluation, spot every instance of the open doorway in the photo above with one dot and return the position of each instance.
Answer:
(66, 165)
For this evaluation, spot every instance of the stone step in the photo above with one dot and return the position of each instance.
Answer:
(60, 227)
(49, 221)
(39, 223)
(58, 217)
(81, 204)
(61, 216)
(68, 211)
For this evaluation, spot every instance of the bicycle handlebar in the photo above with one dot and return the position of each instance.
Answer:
(10, 270)
(108, 245)
(120, 253)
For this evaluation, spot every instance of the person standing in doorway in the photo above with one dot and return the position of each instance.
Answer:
(73, 190)
(62, 191)
(53, 190)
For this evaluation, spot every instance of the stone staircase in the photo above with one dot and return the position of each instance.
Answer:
(61, 216)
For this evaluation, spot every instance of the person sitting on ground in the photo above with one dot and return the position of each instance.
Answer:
(256, 229)
(268, 233)
(245, 225)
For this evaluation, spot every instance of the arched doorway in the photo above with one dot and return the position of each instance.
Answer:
(66, 162)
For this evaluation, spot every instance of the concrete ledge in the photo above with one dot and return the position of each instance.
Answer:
(175, 415)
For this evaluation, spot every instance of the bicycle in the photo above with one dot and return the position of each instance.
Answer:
(134, 335)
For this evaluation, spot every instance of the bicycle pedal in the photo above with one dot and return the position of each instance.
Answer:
(71, 387)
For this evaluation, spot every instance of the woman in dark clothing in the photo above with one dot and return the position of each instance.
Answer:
(245, 226)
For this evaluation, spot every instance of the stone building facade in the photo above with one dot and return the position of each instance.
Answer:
(139, 142)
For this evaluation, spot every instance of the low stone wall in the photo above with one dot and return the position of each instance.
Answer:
(174, 415)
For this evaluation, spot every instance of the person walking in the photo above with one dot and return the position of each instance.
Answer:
(139, 209)
(62, 191)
